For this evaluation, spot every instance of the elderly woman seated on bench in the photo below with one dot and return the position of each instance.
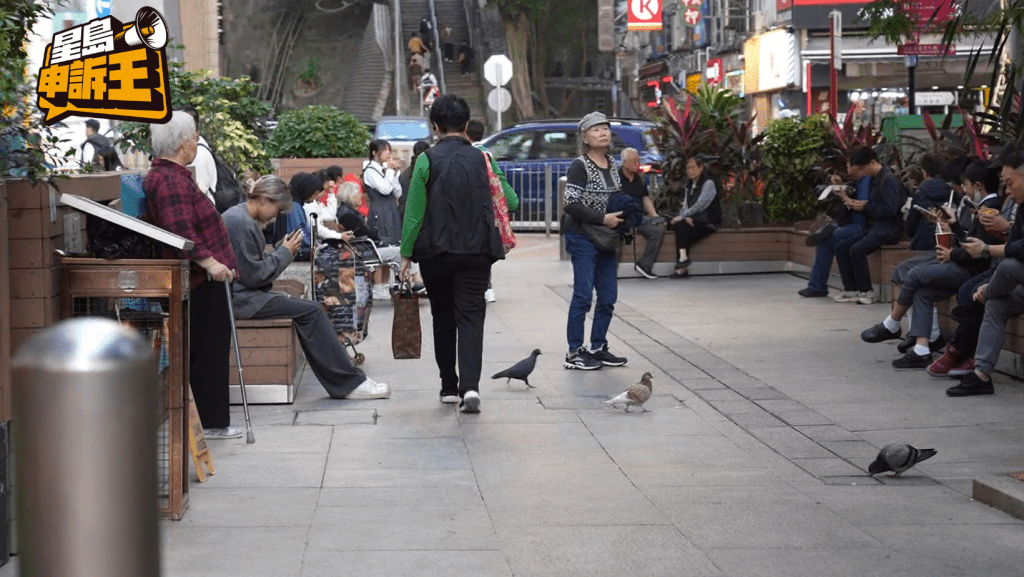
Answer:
(253, 299)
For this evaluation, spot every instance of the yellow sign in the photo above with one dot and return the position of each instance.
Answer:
(197, 442)
(693, 82)
(104, 69)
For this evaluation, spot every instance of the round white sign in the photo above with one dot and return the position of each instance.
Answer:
(644, 9)
(499, 99)
(498, 70)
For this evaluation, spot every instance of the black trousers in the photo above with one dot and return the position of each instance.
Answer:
(324, 353)
(455, 286)
(965, 337)
(209, 347)
(687, 236)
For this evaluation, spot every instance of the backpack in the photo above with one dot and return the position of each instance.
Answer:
(229, 191)
(103, 148)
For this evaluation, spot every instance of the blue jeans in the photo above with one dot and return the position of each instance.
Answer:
(825, 252)
(592, 269)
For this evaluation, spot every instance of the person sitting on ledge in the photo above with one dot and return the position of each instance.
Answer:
(700, 215)
(253, 299)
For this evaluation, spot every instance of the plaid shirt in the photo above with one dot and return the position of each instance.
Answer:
(177, 205)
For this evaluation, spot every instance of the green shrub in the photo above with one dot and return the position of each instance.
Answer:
(791, 149)
(318, 132)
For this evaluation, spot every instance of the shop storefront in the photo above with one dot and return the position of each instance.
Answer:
(771, 74)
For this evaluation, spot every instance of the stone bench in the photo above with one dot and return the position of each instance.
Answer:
(271, 356)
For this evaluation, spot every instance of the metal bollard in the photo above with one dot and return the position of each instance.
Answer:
(85, 413)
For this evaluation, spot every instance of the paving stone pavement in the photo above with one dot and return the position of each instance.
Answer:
(752, 461)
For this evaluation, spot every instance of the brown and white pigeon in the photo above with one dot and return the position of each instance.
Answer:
(898, 457)
(636, 394)
(520, 371)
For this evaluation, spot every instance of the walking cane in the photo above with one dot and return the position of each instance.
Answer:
(249, 437)
(312, 258)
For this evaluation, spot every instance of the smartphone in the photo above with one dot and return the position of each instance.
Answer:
(969, 203)
(922, 209)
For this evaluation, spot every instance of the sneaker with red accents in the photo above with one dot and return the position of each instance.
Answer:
(946, 362)
(966, 366)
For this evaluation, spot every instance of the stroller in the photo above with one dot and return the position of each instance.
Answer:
(343, 281)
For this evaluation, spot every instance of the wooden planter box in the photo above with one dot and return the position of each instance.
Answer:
(286, 168)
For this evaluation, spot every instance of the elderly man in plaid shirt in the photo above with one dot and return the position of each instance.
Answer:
(176, 204)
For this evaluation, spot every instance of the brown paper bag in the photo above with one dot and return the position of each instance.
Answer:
(406, 338)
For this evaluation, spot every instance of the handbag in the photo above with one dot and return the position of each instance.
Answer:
(501, 220)
(605, 238)
(406, 338)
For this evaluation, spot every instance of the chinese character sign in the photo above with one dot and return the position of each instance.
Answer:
(107, 69)
(644, 15)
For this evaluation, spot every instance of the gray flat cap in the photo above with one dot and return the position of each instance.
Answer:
(591, 120)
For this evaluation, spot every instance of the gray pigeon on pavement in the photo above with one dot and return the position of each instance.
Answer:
(898, 457)
(636, 394)
(520, 371)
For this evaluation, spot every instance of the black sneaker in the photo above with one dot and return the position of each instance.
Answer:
(879, 333)
(644, 271)
(912, 360)
(581, 359)
(906, 344)
(606, 358)
(811, 293)
(971, 385)
(817, 237)
(909, 342)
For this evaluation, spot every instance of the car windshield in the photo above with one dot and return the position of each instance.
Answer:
(403, 130)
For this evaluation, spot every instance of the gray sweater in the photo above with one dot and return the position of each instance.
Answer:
(257, 268)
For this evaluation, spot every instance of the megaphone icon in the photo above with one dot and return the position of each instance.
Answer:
(149, 29)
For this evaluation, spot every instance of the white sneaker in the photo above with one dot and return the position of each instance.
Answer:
(370, 389)
(846, 297)
(225, 433)
(470, 402)
(489, 296)
(866, 298)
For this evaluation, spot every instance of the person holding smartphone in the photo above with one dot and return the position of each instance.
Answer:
(253, 298)
(848, 225)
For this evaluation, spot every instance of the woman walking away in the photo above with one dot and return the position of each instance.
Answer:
(591, 179)
(253, 298)
(449, 229)
(380, 175)
(175, 203)
(700, 215)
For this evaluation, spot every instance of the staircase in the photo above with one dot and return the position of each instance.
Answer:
(365, 98)
(453, 12)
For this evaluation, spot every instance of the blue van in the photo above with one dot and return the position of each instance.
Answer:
(523, 150)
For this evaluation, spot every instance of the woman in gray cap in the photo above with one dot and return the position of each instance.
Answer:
(591, 179)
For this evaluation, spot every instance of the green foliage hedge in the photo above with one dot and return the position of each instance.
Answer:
(318, 132)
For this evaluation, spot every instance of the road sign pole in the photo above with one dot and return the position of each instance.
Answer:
(500, 96)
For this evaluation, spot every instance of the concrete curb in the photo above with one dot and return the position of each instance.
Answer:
(1002, 492)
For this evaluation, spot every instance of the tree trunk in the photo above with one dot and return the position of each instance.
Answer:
(540, 61)
(517, 34)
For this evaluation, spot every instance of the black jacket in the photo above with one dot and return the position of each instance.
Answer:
(459, 218)
(883, 206)
(932, 193)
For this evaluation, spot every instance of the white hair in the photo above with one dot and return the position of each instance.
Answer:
(167, 138)
(627, 152)
(348, 193)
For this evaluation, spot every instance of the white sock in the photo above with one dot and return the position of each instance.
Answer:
(890, 324)
(936, 333)
(921, 350)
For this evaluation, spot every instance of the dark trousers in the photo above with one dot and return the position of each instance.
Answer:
(965, 338)
(652, 229)
(455, 287)
(687, 236)
(926, 284)
(852, 258)
(324, 353)
(208, 350)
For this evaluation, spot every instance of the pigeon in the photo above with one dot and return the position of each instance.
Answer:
(636, 394)
(898, 457)
(520, 371)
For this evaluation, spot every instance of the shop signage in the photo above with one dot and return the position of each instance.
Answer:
(770, 62)
(693, 82)
(782, 5)
(715, 71)
(934, 99)
(925, 50)
(644, 15)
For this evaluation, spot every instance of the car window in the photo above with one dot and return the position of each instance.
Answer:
(617, 146)
(515, 146)
(557, 144)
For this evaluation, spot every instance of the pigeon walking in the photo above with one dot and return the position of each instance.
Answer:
(636, 394)
(520, 371)
(898, 457)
